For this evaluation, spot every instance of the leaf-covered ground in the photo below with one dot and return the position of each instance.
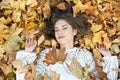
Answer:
(21, 19)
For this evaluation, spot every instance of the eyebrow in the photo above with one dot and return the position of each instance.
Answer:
(62, 26)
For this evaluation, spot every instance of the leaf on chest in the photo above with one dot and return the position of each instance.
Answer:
(52, 57)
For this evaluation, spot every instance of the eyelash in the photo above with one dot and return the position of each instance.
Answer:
(63, 29)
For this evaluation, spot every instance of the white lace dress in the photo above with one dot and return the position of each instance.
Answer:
(83, 56)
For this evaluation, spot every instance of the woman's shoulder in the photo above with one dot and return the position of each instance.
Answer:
(77, 50)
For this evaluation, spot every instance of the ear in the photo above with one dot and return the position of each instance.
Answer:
(74, 31)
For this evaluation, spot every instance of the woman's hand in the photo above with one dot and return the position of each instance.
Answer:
(103, 50)
(30, 44)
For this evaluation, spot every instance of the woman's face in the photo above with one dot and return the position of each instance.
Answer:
(64, 32)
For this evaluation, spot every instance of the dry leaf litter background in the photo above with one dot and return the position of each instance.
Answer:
(21, 19)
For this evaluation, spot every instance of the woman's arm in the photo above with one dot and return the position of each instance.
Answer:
(110, 62)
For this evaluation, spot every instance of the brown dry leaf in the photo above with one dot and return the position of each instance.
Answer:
(41, 39)
(30, 25)
(61, 56)
(96, 28)
(88, 40)
(51, 57)
(55, 75)
(111, 28)
(5, 68)
(46, 77)
(101, 75)
(30, 33)
(31, 3)
(97, 37)
(53, 43)
(97, 54)
(30, 73)
(77, 69)
(5, 21)
(91, 9)
(47, 43)
(106, 40)
(79, 7)
(46, 9)
(61, 6)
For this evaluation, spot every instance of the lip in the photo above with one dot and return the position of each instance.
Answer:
(60, 37)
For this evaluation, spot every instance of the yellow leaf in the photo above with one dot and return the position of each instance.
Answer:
(46, 9)
(106, 40)
(41, 39)
(96, 28)
(54, 43)
(5, 21)
(115, 48)
(97, 37)
(7, 12)
(88, 40)
(32, 3)
(30, 25)
(16, 16)
(79, 7)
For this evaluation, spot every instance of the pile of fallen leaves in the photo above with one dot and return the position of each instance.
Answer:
(22, 19)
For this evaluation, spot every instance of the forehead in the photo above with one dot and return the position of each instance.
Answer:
(61, 22)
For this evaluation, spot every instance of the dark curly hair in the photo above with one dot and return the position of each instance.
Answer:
(79, 22)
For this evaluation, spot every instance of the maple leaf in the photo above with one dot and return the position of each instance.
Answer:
(52, 57)
(77, 69)
(61, 56)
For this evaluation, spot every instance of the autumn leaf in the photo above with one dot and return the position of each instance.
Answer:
(46, 9)
(55, 75)
(96, 28)
(97, 37)
(5, 68)
(30, 25)
(79, 7)
(61, 6)
(77, 69)
(52, 57)
(61, 56)
(41, 39)
(106, 40)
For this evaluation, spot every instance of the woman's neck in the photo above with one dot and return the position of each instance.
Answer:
(67, 46)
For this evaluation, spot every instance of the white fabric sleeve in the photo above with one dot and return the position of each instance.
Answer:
(42, 67)
(85, 58)
(108, 64)
(25, 58)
